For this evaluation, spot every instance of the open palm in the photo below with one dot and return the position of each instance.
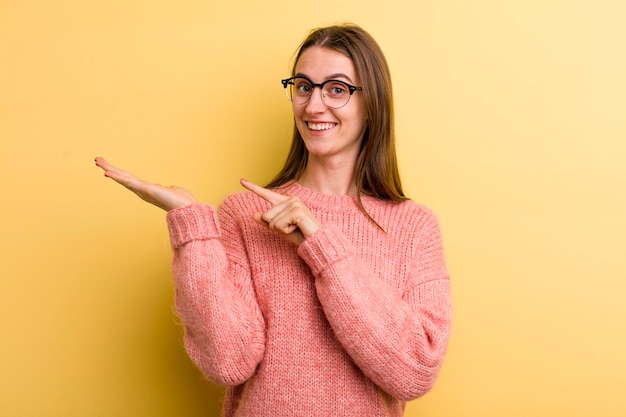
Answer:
(165, 197)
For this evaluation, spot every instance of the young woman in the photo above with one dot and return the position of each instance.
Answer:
(324, 293)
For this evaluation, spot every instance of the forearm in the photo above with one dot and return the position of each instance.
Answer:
(224, 330)
(399, 347)
(397, 338)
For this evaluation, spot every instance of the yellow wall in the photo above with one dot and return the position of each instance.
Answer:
(511, 123)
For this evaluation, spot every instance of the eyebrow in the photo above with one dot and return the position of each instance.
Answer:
(330, 77)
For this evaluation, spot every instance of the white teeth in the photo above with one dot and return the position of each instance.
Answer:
(320, 126)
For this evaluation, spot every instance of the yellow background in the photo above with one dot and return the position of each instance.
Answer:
(511, 126)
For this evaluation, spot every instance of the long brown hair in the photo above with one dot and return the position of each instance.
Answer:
(376, 171)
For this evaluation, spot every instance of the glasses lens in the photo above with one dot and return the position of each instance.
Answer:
(300, 90)
(336, 94)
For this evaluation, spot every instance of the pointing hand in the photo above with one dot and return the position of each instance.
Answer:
(288, 216)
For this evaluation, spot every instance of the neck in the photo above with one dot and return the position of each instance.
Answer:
(335, 179)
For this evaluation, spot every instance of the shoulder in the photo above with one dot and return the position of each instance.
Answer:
(406, 222)
(416, 208)
(406, 213)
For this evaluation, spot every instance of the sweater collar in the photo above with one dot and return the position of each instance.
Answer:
(325, 202)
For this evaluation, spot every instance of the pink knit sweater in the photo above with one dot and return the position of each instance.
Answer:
(353, 322)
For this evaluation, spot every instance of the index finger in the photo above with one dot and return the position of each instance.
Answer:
(267, 195)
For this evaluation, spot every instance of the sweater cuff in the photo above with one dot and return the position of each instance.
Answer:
(194, 222)
(323, 248)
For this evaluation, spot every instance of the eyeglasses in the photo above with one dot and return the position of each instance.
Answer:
(335, 93)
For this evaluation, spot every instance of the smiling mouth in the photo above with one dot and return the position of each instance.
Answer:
(320, 126)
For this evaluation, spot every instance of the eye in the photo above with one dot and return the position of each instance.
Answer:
(302, 87)
(336, 89)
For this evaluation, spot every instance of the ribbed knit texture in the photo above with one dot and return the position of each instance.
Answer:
(353, 322)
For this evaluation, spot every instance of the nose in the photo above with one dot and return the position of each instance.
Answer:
(316, 102)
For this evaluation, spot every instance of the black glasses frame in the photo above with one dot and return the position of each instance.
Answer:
(290, 81)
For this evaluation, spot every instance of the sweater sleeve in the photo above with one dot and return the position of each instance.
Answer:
(398, 341)
(223, 326)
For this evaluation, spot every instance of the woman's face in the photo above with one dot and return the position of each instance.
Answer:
(328, 132)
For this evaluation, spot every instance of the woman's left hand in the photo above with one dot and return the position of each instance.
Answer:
(288, 216)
